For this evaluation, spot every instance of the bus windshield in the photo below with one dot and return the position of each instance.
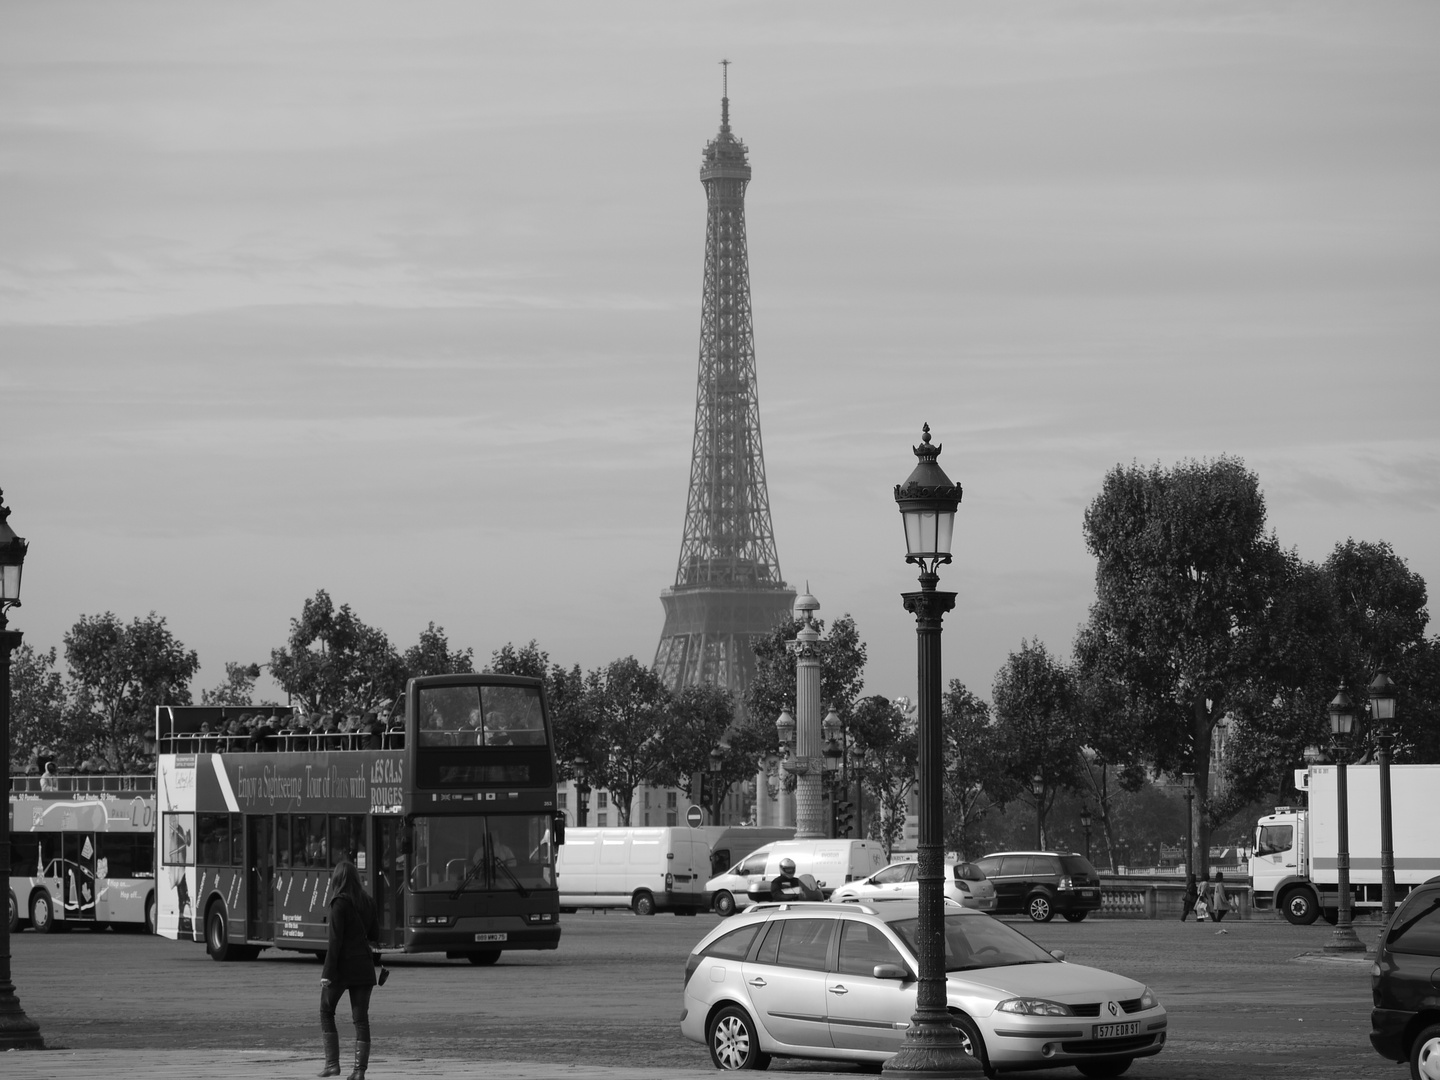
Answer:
(481, 716)
(509, 852)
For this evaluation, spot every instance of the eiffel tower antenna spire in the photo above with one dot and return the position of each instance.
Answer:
(728, 592)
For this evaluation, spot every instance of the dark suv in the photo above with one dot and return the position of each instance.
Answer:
(1405, 1023)
(1040, 883)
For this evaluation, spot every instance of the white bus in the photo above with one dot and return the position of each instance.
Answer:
(82, 854)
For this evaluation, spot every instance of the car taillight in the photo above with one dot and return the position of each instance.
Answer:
(669, 882)
(1065, 883)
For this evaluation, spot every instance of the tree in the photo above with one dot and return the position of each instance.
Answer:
(334, 661)
(892, 754)
(970, 759)
(118, 675)
(631, 707)
(700, 716)
(238, 687)
(38, 722)
(842, 670)
(1036, 730)
(1186, 573)
(431, 655)
(529, 659)
(576, 731)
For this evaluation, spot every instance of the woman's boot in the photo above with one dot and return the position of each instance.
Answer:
(332, 1053)
(362, 1060)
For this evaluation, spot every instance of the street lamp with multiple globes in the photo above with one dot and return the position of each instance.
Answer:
(1037, 788)
(17, 1031)
(580, 767)
(927, 501)
(1189, 781)
(1342, 719)
(1382, 711)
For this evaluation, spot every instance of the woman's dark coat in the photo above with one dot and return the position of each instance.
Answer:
(349, 960)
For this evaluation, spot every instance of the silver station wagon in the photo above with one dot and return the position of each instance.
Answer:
(837, 982)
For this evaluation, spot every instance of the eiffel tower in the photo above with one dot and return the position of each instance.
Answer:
(728, 591)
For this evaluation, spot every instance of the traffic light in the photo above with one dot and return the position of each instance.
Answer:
(844, 818)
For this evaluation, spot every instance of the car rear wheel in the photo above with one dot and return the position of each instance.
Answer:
(724, 904)
(1039, 909)
(484, 959)
(1075, 916)
(733, 1041)
(971, 1040)
(1113, 1067)
(644, 904)
(1425, 1054)
(1299, 907)
(42, 913)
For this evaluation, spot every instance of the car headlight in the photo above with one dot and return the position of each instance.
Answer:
(1034, 1007)
(1147, 999)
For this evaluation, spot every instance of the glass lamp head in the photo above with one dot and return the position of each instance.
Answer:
(927, 501)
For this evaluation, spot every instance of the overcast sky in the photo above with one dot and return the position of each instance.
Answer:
(402, 301)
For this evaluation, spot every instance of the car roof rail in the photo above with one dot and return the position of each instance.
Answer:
(823, 905)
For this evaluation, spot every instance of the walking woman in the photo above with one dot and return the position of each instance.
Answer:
(1219, 898)
(349, 965)
(1191, 895)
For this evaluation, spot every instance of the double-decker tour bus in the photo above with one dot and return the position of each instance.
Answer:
(82, 852)
(450, 817)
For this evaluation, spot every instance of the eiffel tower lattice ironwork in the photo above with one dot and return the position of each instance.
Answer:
(728, 591)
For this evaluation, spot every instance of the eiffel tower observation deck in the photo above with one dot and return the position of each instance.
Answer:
(728, 591)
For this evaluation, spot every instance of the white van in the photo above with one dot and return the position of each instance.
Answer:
(830, 862)
(646, 870)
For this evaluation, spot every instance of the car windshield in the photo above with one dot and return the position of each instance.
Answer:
(978, 942)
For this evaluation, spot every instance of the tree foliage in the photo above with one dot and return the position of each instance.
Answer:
(432, 655)
(1186, 575)
(1037, 733)
(842, 670)
(119, 674)
(333, 660)
(38, 721)
(886, 732)
(970, 759)
(238, 687)
(631, 709)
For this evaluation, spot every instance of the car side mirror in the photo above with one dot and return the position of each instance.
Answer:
(1058, 954)
(890, 971)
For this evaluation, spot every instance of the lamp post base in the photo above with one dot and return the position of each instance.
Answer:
(17, 1031)
(1343, 940)
(934, 1050)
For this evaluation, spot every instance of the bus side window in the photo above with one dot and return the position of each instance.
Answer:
(316, 850)
(237, 840)
(214, 839)
(282, 839)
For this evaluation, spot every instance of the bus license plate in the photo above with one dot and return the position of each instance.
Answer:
(492, 937)
(1117, 1031)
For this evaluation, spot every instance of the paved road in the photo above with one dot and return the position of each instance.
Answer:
(1260, 1001)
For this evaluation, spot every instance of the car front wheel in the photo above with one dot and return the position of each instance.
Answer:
(971, 1039)
(644, 904)
(724, 904)
(1425, 1054)
(733, 1041)
(1039, 909)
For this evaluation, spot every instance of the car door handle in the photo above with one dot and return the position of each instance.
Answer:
(757, 981)
(838, 990)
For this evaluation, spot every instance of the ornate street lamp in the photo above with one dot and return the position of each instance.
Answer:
(927, 501)
(1037, 788)
(1382, 711)
(582, 790)
(1085, 824)
(857, 755)
(1342, 719)
(717, 762)
(17, 1031)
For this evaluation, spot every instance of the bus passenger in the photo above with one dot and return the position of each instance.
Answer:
(349, 965)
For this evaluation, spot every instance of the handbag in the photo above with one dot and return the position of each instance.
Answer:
(384, 974)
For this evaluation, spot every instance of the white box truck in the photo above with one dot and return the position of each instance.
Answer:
(1295, 868)
(649, 869)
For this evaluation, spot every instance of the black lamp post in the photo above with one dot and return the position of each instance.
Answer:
(582, 791)
(1382, 711)
(1037, 788)
(1342, 719)
(1085, 824)
(717, 762)
(927, 501)
(858, 755)
(17, 1031)
(1189, 780)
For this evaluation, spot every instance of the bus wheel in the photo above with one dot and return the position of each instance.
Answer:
(644, 904)
(42, 913)
(150, 914)
(14, 915)
(217, 935)
(483, 959)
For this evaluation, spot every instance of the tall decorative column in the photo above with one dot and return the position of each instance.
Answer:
(810, 821)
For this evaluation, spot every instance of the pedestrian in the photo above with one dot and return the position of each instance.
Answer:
(1219, 897)
(1191, 895)
(349, 965)
(49, 780)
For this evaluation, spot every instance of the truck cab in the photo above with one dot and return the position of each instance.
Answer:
(1278, 866)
